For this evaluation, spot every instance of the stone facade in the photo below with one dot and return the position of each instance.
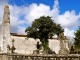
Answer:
(63, 49)
(5, 30)
(21, 43)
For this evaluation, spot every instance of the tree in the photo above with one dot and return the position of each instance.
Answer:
(77, 38)
(43, 28)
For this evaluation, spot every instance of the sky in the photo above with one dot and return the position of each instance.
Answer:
(23, 12)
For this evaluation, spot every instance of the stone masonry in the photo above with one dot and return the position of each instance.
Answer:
(5, 29)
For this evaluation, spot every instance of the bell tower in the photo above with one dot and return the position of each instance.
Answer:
(5, 29)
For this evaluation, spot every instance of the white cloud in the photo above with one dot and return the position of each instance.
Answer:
(2, 3)
(15, 13)
(69, 19)
(35, 11)
(21, 29)
(68, 32)
(70, 35)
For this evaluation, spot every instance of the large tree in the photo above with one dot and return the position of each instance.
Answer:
(43, 28)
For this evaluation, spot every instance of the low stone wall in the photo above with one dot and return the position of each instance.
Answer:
(44, 57)
(39, 57)
(3, 56)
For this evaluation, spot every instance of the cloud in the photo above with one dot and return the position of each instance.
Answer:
(69, 19)
(68, 32)
(2, 3)
(24, 15)
(35, 11)
(16, 19)
(70, 35)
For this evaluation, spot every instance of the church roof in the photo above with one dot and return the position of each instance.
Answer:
(20, 35)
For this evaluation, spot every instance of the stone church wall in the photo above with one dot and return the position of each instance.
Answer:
(27, 46)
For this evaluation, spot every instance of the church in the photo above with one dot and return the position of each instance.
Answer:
(19, 41)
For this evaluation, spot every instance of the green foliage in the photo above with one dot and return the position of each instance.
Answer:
(43, 28)
(77, 39)
(77, 34)
(77, 47)
(44, 43)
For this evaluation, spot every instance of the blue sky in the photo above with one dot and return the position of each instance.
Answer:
(23, 12)
(69, 5)
(63, 4)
